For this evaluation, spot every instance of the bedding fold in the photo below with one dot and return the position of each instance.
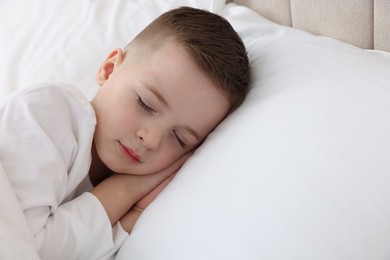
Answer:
(16, 240)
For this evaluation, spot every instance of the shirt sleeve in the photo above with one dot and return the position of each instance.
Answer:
(81, 230)
(46, 154)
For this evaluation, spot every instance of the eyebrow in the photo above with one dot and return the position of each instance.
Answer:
(165, 103)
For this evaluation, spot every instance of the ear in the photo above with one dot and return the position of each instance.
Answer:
(111, 62)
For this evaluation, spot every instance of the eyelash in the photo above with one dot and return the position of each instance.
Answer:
(181, 143)
(142, 104)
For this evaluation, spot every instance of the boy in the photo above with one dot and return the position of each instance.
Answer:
(158, 100)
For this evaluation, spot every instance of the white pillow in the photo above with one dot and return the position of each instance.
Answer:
(300, 171)
(66, 41)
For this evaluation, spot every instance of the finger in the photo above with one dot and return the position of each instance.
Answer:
(129, 219)
(148, 182)
(145, 201)
(176, 165)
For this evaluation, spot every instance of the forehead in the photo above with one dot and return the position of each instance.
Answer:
(193, 97)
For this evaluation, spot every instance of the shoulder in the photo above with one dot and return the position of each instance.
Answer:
(47, 126)
(53, 112)
(50, 92)
(50, 100)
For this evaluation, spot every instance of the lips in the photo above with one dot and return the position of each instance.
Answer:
(129, 154)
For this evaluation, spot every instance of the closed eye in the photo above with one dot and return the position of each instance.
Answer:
(179, 140)
(142, 104)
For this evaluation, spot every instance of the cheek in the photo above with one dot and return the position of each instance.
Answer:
(122, 117)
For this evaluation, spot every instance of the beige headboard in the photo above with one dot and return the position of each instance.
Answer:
(364, 23)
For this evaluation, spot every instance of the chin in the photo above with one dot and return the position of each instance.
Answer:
(138, 172)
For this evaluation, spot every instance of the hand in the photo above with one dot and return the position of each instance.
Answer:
(129, 219)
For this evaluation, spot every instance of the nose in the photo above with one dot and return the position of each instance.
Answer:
(150, 138)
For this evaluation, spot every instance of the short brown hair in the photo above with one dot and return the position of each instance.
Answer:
(212, 43)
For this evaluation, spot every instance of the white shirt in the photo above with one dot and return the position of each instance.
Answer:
(46, 135)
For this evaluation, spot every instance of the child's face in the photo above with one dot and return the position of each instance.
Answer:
(153, 108)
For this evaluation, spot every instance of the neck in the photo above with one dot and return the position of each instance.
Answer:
(98, 170)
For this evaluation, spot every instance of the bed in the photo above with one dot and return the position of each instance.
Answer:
(300, 171)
